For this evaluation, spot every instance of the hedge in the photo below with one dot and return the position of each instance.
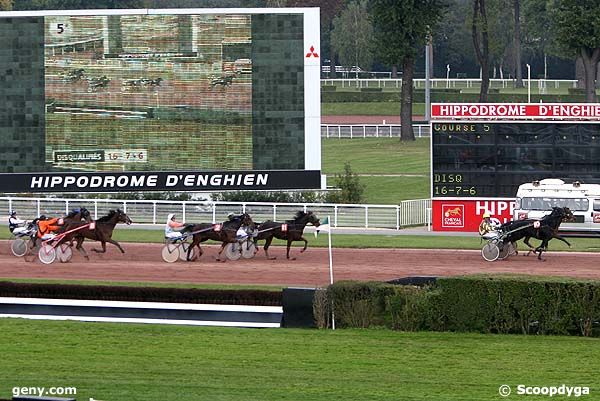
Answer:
(141, 294)
(490, 304)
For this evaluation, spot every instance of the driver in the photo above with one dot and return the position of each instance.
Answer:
(173, 227)
(15, 224)
(488, 224)
(47, 227)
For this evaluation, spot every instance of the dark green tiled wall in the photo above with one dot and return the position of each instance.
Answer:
(278, 91)
(22, 93)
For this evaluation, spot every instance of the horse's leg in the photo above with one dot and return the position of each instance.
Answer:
(540, 249)
(562, 239)
(80, 248)
(103, 243)
(195, 242)
(531, 248)
(115, 243)
(289, 244)
(220, 252)
(305, 243)
(266, 247)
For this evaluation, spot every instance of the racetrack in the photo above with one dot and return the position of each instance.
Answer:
(142, 262)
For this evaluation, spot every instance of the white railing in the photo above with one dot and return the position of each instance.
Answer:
(447, 83)
(407, 213)
(371, 131)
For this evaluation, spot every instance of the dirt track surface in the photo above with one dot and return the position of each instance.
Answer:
(142, 262)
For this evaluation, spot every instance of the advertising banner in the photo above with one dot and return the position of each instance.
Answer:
(455, 214)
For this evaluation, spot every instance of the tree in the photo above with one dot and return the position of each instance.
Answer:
(517, 43)
(351, 190)
(479, 32)
(578, 30)
(6, 5)
(400, 30)
(352, 35)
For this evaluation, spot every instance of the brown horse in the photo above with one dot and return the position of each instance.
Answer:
(290, 230)
(102, 231)
(224, 233)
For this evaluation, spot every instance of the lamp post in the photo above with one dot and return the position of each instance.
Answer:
(528, 83)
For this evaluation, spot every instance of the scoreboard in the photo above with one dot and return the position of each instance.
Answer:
(491, 159)
(481, 153)
(138, 96)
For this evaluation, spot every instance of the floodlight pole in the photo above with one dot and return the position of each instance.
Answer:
(427, 83)
(528, 83)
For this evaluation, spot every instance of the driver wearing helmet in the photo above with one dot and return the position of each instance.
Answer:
(15, 224)
(47, 227)
(172, 228)
(488, 224)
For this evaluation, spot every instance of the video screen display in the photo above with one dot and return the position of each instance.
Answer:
(186, 90)
(148, 92)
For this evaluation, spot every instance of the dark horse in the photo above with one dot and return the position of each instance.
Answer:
(102, 231)
(224, 233)
(544, 229)
(290, 230)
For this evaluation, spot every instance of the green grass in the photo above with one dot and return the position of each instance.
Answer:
(373, 159)
(376, 156)
(368, 109)
(141, 362)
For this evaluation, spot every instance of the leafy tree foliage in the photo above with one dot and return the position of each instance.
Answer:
(352, 35)
(351, 190)
(577, 27)
(401, 29)
(6, 5)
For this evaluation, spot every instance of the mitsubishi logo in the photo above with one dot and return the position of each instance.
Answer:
(312, 53)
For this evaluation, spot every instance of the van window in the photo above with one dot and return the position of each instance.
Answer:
(596, 205)
(575, 204)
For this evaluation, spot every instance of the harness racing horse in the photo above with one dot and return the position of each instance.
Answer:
(102, 231)
(291, 230)
(224, 233)
(544, 229)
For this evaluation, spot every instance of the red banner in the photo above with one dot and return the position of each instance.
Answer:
(466, 214)
(515, 111)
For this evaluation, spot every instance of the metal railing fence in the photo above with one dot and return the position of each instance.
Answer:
(370, 131)
(408, 213)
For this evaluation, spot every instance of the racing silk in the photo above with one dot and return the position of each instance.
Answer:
(488, 226)
(14, 222)
(47, 226)
(172, 225)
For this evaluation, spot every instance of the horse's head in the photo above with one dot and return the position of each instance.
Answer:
(122, 217)
(85, 215)
(312, 219)
(567, 214)
(246, 220)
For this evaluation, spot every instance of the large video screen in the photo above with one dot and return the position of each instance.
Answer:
(162, 91)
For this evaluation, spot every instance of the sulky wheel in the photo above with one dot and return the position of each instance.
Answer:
(490, 252)
(19, 247)
(64, 253)
(183, 250)
(170, 253)
(248, 249)
(233, 251)
(47, 254)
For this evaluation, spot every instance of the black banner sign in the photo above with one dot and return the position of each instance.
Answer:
(161, 181)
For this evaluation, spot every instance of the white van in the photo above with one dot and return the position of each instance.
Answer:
(536, 199)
